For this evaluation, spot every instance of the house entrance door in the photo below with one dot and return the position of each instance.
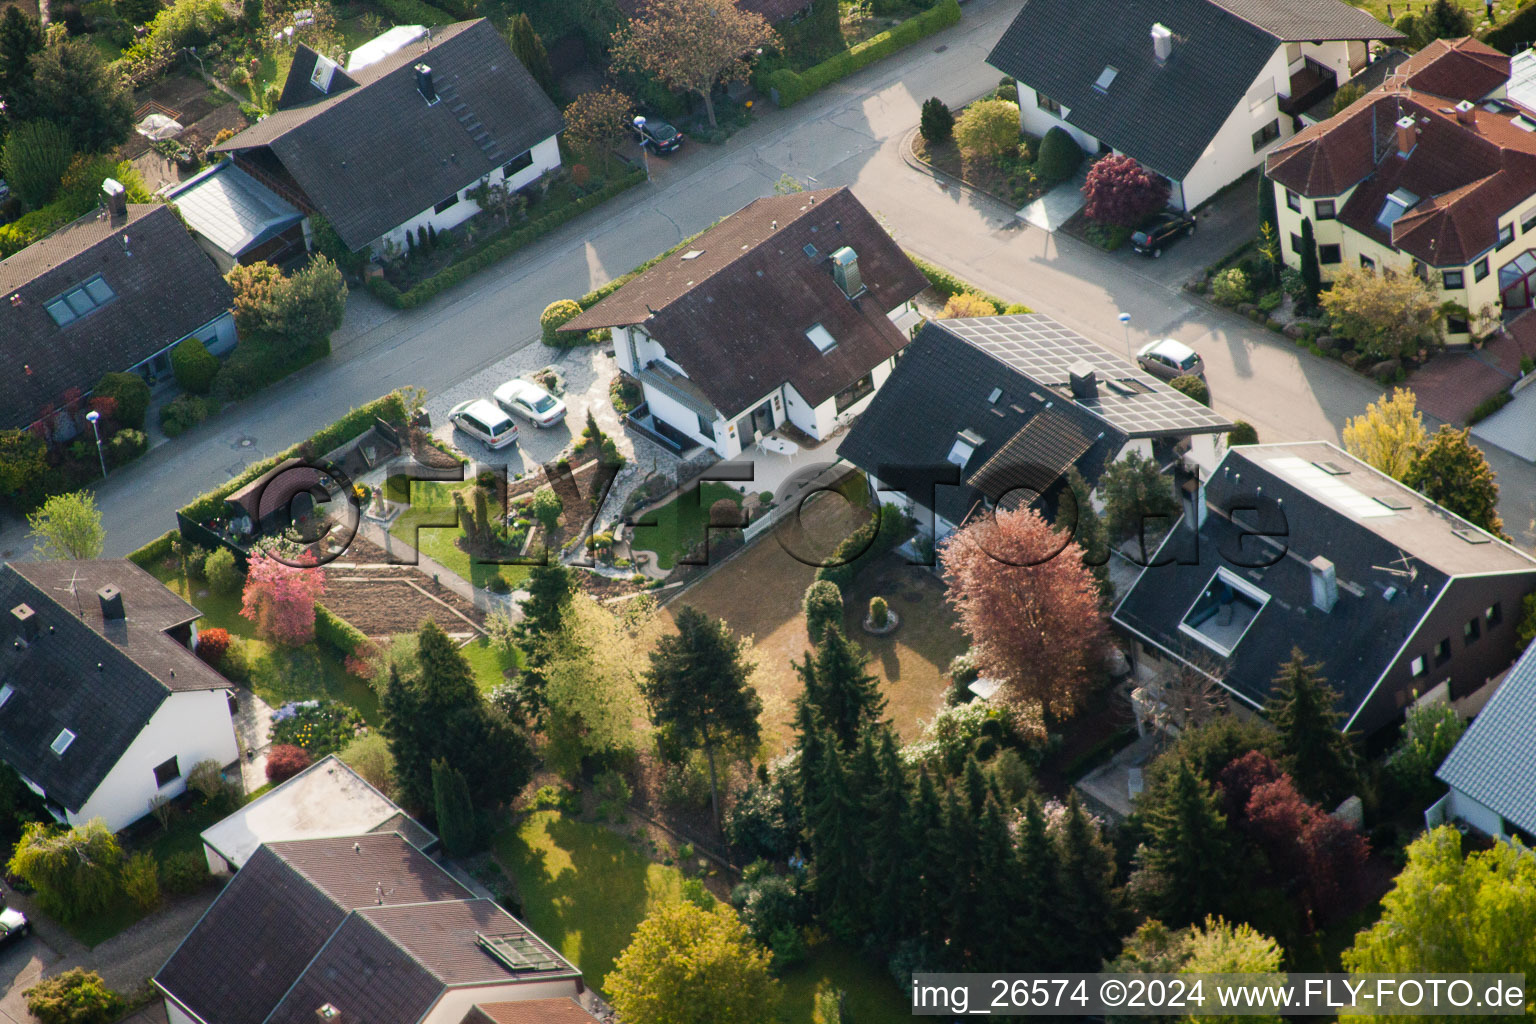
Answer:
(762, 419)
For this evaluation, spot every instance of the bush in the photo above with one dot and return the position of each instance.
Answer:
(1270, 301)
(988, 129)
(284, 761)
(1192, 386)
(130, 392)
(879, 612)
(1488, 406)
(415, 12)
(888, 528)
(937, 123)
(338, 634)
(965, 304)
(823, 605)
(555, 315)
(1242, 432)
(1059, 156)
(319, 727)
(546, 508)
(1122, 192)
(213, 645)
(194, 366)
(1231, 287)
(790, 87)
(77, 996)
(141, 880)
(126, 445)
(184, 873)
(237, 661)
(223, 572)
(182, 413)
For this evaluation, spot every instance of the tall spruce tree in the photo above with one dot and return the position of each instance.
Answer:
(1037, 911)
(927, 842)
(1190, 849)
(835, 679)
(525, 42)
(994, 929)
(975, 781)
(832, 824)
(549, 589)
(1089, 532)
(698, 687)
(1091, 910)
(891, 869)
(1320, 757)
(455, 811)
(954, 890)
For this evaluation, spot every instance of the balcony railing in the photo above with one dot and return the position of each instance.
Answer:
(1309, 86)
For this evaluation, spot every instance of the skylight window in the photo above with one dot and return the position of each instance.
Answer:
(1330, 490)
(1396, 204)
(810, 250)
(61, 742)
(78, 301)
(821, 338)
(964, 447)
(5, 693)
(1105, 79)
(1221, 615)
(693, 254)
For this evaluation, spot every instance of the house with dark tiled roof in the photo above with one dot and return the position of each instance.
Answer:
(790, 311)
(1196, 90)
(1491, 772)
(104, 709)
(991, 410)
(1303, 546)
(112, 292)
(324, 800)
(399, 138)
(1431, 173)
(362, 928)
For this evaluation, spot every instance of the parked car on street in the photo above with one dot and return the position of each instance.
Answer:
(1162, 230)
(484, 422)
(1167, 358)
(531, 402)
(14, 926)
(658, 135)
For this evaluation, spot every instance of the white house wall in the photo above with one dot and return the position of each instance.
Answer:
(175, 1015)
(191, 726)
(1230, 153)
(1478, 815)
(1036, 120)
(678, 416)
(546, 157)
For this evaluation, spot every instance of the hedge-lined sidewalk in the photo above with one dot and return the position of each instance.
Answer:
(788, 87)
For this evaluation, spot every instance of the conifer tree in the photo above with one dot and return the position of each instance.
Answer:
(1311, 270)
(847, 696)
(925, 841)
(832, 824)
(809, 728)
(482, 518)
(1036, 908)
(525, 42)
(954, 889)
(1318, 755)
(994, 929)
(891, 869)
(1190, 849)
(1089, 531)
(975, 785)
(1090, 906)
(455, 812)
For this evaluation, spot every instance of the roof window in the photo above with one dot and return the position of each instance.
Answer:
(80, 300)
(5, 693)
(61, 742)
(1106, 78)
(964, 447)
(693, 254)
(821, 338)
(1395, 205)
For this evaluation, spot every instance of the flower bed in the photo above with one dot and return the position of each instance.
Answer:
(320, 727)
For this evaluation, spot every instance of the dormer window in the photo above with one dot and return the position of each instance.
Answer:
(964, 447)
(821, 338)
(61, 742)
(1396, 204)
(80, 300)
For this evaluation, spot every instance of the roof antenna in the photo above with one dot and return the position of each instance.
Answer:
(74, 578)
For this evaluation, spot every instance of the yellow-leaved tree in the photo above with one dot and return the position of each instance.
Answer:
(1390, 434)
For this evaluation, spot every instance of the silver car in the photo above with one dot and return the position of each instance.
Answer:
(484, 422)
(531, 402)
(1167, 358)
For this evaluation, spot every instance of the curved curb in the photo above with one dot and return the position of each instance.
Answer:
(912, 160)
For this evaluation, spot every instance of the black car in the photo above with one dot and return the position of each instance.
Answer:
(1162, 230)
(13, 926)
(658, 135)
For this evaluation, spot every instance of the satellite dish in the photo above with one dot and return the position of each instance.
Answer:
(1402, 567)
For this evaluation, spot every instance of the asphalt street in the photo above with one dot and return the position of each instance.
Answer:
(850, 134)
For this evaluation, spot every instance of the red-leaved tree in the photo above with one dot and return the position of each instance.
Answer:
(1121, 191)
(1241, 777)
(281, 598)
(284, 761)
(1309, 850)
(1030, 607)
(211, 645)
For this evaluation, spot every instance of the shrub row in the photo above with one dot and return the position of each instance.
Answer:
(351, 426)
(415, 12)
(1516, 33)
(337, 633)
(948, 285)
(1490, 405)
(157, 550)
(861, 547)
(790, 87)
(500, 249)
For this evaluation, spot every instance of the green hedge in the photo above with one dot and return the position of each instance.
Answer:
(500, 249)
(154, 552)
(354, 424)
(1515, 33)
(864, 545)
(947, 284)
(414, 12)
(337, 633)
(790, 87)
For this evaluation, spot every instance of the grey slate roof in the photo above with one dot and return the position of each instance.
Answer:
(942, 387)
(366, 923)
(1495, 761)
(165, 286)
(103, 682)
(227, 206)
(1164, 115)
(372, 156)
(1355, 642)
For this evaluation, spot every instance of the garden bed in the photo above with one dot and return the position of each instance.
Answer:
(382, 600)
(1011, 181)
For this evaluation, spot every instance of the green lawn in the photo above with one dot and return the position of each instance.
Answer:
(278, 674)
(1378, 8)
(428, 526)
(489, 663)
(585, 889)
(679, 524)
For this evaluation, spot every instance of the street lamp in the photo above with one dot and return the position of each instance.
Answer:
(1125, 321)
(95, 417)
(639, 123)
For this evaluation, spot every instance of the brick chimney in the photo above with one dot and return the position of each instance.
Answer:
(111, 602)
(424, 84)
(1407, 134)
(1464, 112)
(24, 621)
(1084, 382)
(116, 199)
